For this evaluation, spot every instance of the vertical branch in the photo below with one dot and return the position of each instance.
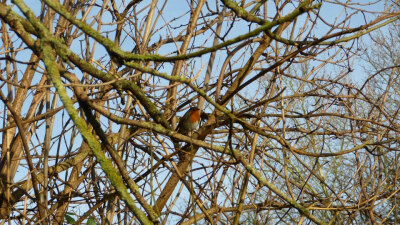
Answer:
(171, 99)
(212, 56)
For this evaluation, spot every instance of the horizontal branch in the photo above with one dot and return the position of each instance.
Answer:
(125, 57)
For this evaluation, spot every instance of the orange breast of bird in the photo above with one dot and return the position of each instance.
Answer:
(195, 116)
(189, 121)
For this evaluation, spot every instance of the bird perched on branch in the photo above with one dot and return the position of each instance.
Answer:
(189, 122)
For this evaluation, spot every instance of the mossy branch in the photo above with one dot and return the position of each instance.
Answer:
(22, 27)
(53, 72)
(242, 13)
(95, 146)
(115, 51)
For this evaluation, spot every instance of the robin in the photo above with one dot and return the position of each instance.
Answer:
(189, 121)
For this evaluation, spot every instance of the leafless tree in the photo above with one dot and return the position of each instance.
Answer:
(292, 130)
